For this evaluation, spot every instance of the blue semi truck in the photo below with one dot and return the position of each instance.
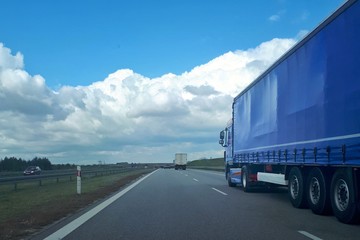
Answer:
(298, 123)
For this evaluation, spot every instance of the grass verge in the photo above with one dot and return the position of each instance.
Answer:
(211, 168)
(30, 208)
(215, 164)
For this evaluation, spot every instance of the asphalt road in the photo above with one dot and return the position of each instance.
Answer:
(195, 204)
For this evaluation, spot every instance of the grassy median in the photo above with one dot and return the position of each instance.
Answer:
(31, 207)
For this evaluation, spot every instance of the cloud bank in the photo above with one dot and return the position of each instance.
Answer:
(126, 116)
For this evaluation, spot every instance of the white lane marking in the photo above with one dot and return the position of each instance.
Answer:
(186, 175)
(225, 194)
(309, 235)
(67, 229)
(195, 180)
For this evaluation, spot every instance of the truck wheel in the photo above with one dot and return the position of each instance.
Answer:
(342, 195)
(318, 192)
(296, 188)
(245, 179)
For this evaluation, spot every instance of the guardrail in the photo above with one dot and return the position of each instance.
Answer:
(71, 174)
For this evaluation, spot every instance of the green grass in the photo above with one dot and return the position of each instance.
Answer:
(216, 164)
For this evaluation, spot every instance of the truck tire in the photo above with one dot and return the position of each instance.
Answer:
(245, 179)
(318, 187)
(296, 188)
(342, 195)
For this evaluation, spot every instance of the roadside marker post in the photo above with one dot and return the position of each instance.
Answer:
(78, 178)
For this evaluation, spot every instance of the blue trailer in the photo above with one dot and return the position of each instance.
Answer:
(298, 123)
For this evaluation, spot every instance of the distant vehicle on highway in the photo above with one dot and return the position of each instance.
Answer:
(180, 161)
(167, 166)
(32, 170)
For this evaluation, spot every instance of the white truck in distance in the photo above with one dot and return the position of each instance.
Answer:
(180, 161)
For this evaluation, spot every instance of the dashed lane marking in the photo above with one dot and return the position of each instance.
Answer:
(225, 194)
(195, 180)
(309, 235)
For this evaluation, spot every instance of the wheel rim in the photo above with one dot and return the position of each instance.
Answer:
(244, 180)
(294, 187)
(341, 195)
(314, 190)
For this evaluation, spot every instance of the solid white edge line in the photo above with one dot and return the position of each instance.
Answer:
(225, 194)
(309, 235)
(67, 229)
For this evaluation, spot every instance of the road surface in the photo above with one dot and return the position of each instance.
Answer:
(196, 204)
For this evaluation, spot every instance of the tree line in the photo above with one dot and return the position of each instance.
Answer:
(18, 164)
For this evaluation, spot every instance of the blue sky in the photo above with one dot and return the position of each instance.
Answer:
(135, 81)
(79, 42)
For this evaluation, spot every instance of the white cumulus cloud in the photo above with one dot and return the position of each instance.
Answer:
(274, 18)
(126, 116)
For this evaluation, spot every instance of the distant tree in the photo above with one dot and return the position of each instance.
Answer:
(12, 164)
(15, 164)
(43, 163)
(63, 166)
